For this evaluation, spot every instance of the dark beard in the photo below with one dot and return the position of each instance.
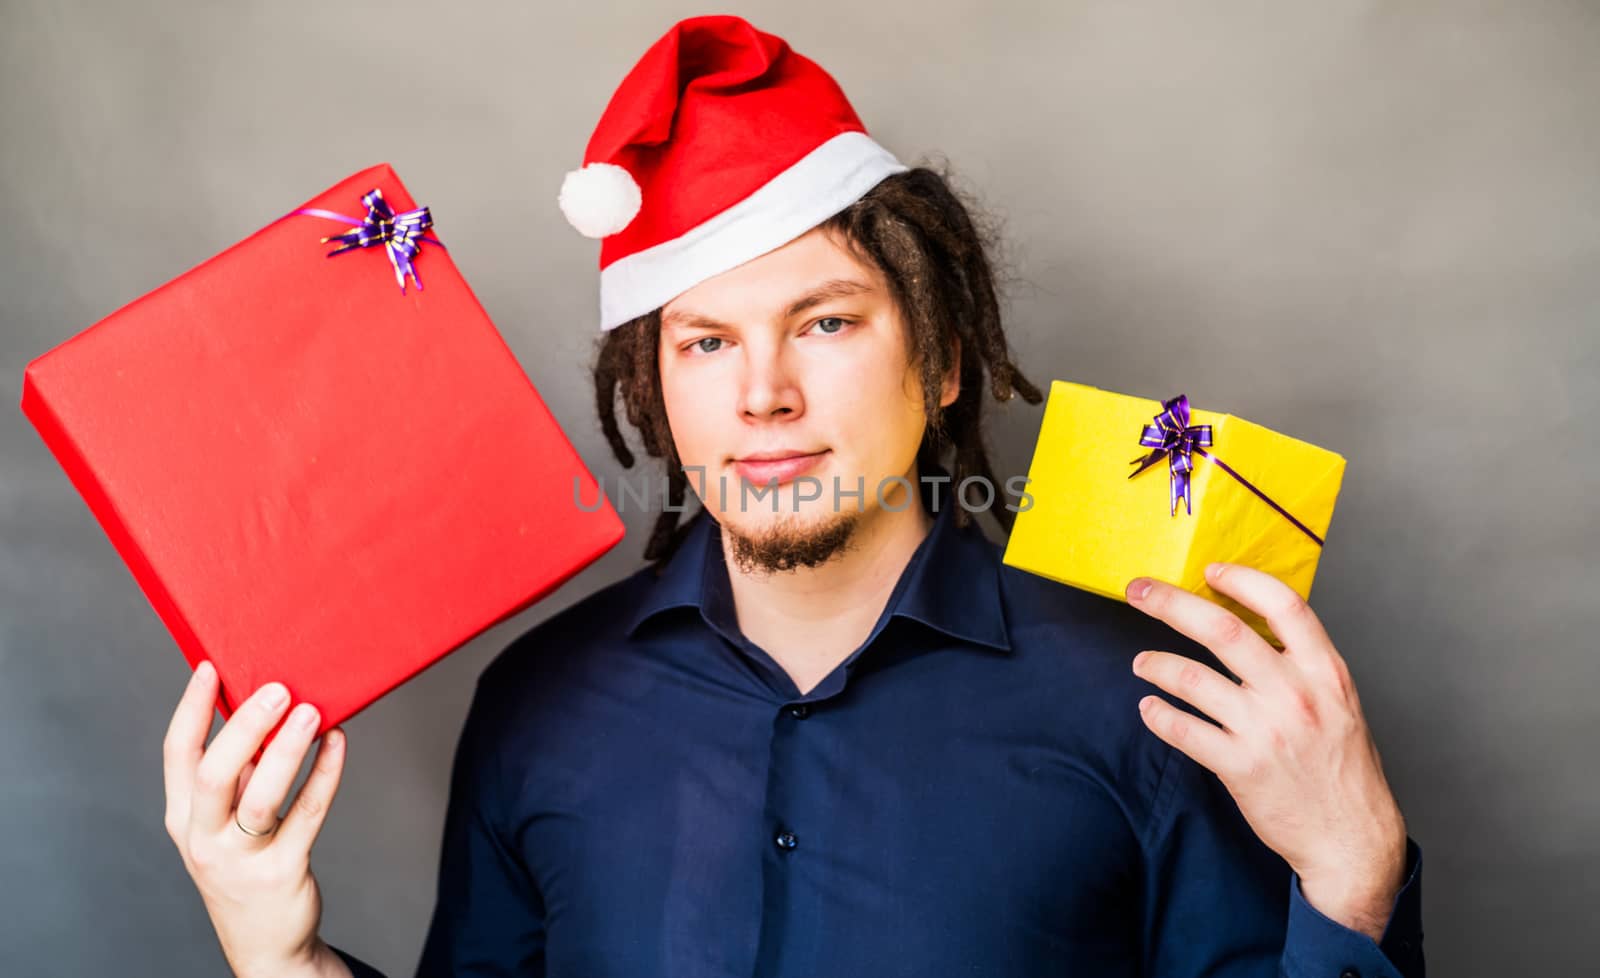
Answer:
(786, 548)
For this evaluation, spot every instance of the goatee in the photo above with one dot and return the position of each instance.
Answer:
(789, 544)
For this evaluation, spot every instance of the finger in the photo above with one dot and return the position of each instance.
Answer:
(1202, 687)
(216, 779)
(185, 741)
(244, 782)
(1245, 654)
(1290, 617)
(1204, 743)
(263, 797)
(300, 827)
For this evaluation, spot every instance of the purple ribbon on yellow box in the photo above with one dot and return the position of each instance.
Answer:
(400, 234)
(1174, 438)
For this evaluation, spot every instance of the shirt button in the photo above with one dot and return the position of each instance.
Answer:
(786, 840)
(799, 711)
(1349, 973)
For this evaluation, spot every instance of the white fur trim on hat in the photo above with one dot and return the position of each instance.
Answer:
(822, 183)
(599, 199)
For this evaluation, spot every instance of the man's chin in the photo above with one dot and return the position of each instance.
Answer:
(787, 540)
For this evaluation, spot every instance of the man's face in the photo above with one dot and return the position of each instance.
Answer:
(767, 358)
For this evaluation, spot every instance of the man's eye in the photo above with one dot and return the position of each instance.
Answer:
(697, 346)
(831, 319)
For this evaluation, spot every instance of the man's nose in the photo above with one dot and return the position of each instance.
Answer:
(770, 386)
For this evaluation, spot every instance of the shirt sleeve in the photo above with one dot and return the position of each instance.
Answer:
(1316, 945)
(1218, 902)
(488, 919)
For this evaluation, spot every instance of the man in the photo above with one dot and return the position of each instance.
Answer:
(827, 733)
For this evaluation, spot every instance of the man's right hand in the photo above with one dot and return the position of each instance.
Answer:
(259, 891)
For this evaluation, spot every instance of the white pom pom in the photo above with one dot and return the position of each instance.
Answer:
(600, 199)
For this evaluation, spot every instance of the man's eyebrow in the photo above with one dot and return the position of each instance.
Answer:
(832, 289)
(836, 288)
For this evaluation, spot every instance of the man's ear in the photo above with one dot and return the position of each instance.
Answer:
(952, 377)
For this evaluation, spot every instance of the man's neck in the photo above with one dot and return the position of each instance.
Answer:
(811, 618)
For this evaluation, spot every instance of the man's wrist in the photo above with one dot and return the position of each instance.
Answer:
(317, 961)
(1361, 902)
(327, 964)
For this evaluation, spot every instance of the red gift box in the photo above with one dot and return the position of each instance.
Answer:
(314, 476)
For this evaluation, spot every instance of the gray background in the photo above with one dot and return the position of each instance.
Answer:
(1370, 225)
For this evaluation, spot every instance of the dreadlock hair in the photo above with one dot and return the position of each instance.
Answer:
(920, 232)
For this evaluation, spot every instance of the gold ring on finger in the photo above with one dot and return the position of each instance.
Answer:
(252, 832)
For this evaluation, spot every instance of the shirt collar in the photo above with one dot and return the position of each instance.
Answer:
(951, 583)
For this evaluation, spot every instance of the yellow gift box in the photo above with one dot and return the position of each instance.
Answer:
(1104, 506)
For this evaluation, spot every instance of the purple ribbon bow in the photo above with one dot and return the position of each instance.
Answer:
(400, 234)
(1174, 438)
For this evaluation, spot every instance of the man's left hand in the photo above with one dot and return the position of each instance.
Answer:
(1289, 743)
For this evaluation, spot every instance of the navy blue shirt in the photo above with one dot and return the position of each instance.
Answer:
(641, 792)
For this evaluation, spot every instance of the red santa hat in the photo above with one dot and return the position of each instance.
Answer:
(719, 146)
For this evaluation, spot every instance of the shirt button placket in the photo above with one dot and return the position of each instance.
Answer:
(785, 839)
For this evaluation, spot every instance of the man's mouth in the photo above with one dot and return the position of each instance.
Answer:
(764, 467)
